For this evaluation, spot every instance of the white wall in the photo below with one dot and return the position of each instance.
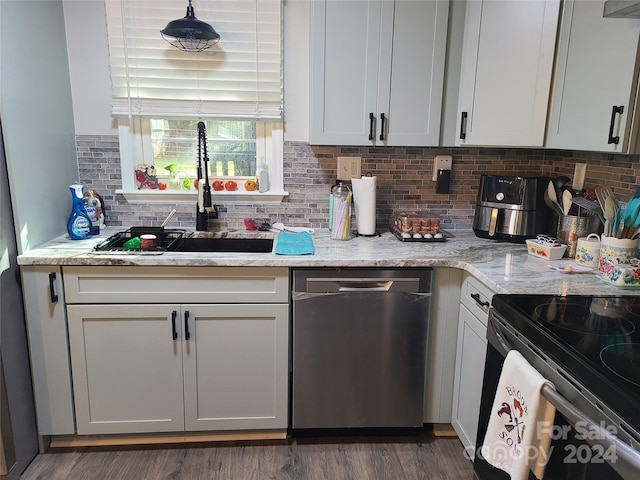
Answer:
(37, 120)
(86, 31)
(90, 79)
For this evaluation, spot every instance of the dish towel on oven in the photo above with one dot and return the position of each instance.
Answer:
(520, 423)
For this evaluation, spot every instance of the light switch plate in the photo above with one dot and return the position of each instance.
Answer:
(349, 167)
(441, 162)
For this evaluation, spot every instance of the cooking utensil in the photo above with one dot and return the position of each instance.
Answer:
(166, 220)
(631, 218)
(617, 222)
(566, 201)
(280, 227)
(601, 194)
(590, 206)
(553, 206)
(610, 214)
(579, 172)
(635, 225)
(553, 197)
(560, 182)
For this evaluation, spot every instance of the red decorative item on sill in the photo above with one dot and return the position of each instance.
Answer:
(146, 177)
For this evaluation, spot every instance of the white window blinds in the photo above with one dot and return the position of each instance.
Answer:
(240, 77)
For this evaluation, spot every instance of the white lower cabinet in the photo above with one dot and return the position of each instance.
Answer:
(236, 367)
(45, 314)
(170, 349)
(471, 351)
(161, 368)
(127, 369)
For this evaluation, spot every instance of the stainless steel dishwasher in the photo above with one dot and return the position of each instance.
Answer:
(359, 347)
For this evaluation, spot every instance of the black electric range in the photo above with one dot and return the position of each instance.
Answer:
(595, 339)
(589, 347)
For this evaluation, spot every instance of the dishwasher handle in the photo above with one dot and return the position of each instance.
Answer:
(337, 285)
(366, 287)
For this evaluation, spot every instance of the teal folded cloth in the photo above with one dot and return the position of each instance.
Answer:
(289, 243)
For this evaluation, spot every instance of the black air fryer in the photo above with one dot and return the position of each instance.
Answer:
(512, 208)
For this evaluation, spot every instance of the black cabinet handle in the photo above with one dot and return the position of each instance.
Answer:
(174, 333)
(52, 288)
(187, 335)
(371, 118)
(476, 297)
(615, 110)
(463, 125)
(382, 118)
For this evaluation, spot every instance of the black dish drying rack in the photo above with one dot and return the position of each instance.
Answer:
(165, 240)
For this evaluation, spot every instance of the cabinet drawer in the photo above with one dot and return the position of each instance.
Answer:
(477, 298)
(176, 284)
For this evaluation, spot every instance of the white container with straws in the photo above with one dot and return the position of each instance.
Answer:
(341, 213)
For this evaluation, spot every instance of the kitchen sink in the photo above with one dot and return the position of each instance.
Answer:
(224, 244)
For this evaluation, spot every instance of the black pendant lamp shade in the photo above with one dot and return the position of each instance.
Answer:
(189, 33)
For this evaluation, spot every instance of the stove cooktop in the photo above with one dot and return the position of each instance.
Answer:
(595, 339)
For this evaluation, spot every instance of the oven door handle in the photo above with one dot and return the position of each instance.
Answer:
(595, 432)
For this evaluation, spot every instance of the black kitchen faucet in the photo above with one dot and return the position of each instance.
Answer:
(204, 206)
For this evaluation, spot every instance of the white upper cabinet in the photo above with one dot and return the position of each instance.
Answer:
(507, 63)
(595, 83)
(377, 69)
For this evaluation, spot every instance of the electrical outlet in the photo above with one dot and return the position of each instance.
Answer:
(349, 167)
(441, 162)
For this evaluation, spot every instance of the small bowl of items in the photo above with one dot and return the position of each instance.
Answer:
(546, 247)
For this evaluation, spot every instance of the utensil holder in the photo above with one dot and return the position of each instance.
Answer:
(617, 251)
(571, 228)
(341, 212)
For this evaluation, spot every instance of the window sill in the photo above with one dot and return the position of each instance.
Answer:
(228, 198)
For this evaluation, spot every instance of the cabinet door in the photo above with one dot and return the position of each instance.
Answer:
(412, 98)
(507, 61)
(377, 58)
(236, 366)
(48, 349)
(470, 356)
(127, 368)
(345, 38)
(596, 71)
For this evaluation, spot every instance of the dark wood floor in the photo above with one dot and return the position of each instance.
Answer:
(389, 458)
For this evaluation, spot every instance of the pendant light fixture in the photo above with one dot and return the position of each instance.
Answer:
(189, 33)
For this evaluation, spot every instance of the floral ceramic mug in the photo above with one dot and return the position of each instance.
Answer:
(588, 250)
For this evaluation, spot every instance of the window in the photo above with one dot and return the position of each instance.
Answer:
(231, 147)
(160, 93)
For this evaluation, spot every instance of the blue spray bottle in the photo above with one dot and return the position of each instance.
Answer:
(79, 223)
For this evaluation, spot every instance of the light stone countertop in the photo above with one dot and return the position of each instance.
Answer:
(503, 267)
